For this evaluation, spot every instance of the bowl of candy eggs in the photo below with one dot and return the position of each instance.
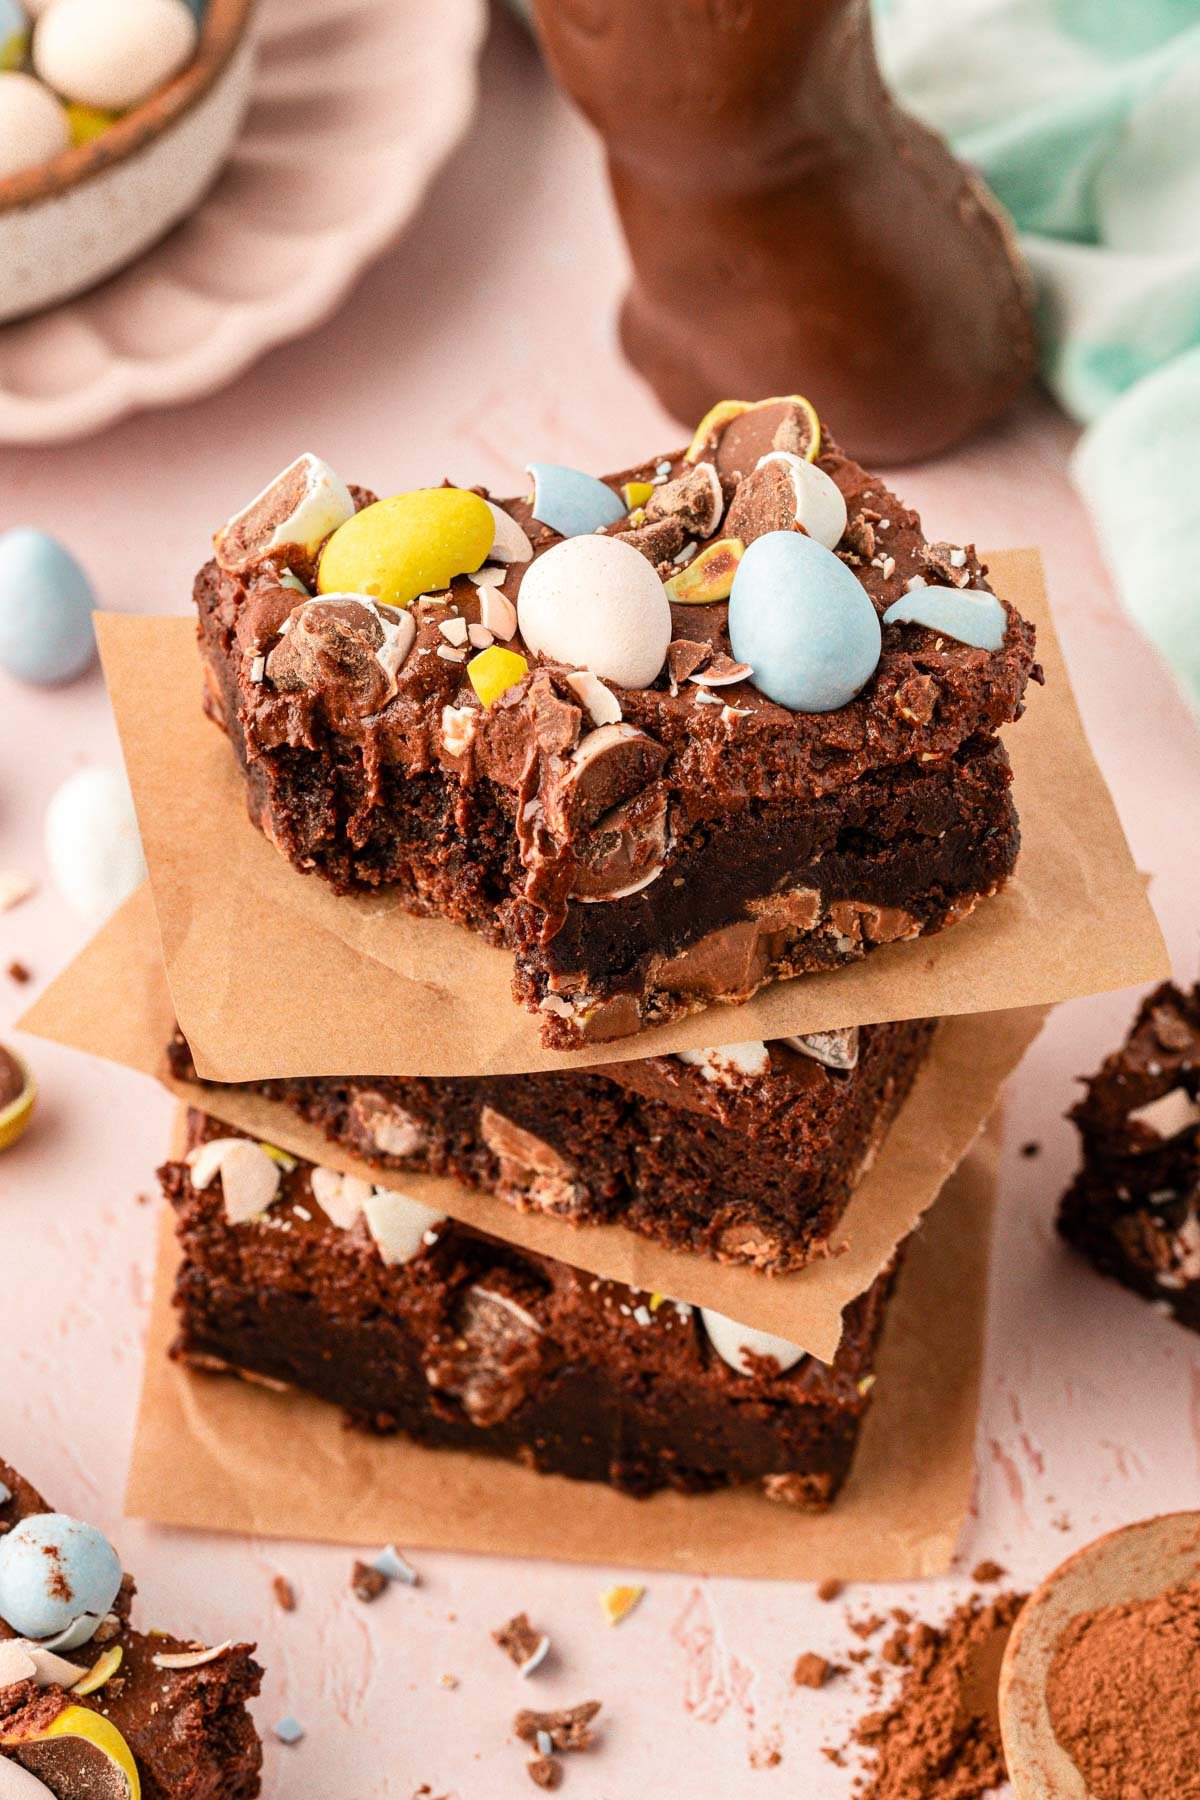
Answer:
(115, 118)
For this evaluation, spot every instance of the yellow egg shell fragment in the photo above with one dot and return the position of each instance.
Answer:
(92, 1728)
(720, 415)
(101, 1671)
(616, 1603)
(636, 493)
(411, 544)
(709, 576)
(494, 671)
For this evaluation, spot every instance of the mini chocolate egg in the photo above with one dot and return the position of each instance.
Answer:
(733, 1343)
(570, 502)
(820, 506)
(14, 34)
(55, 1570)
(92, 842)
(803, 623)
(407, 545)
(112, 53)
(596, 603)
(968, 615)
(33, 125)
(46, 603)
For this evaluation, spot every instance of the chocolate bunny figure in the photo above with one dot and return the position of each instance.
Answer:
(791, 229)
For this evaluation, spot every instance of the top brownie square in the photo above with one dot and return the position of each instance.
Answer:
(719, 720)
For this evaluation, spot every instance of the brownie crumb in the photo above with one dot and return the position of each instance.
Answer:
(567, 1729)
(987, 1571)
(865, 1628)
(19, 973)
(811, 1670)
(544, 1771)
(521, 1643)
(285, 1593)
(1031, 1149)
(829, 1590)
(368, 1583)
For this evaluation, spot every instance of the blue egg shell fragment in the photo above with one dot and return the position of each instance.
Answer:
(571, 502)
(803, 623)
(967, 615)
(53, 1570)
(46, 602)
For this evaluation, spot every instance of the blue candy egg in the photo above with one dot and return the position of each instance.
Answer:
(46, 603)
(571, 502)
(803, 623)
(969, 615)
(55, 1571)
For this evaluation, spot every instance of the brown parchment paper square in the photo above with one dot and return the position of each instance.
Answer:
(954, 1093)
(237, 920)
(216, 1454)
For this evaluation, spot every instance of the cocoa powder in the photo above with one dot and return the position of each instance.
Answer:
(1123, 1695)
(941, 1734)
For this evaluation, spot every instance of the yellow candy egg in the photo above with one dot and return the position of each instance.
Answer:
(494, 671)
(411, 544)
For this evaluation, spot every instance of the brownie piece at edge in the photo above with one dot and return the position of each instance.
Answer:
(746, 1169)
(188, 1729)
(469, 1343)
(1134, 1208)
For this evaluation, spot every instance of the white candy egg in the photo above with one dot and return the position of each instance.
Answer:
(33, 124)
(595, 603)
(92, 842)
(733, 1342)
(112, 53)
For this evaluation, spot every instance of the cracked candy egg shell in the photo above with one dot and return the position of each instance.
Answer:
(803, 622)
(54, 1569)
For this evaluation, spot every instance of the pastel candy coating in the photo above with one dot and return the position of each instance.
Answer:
(92, 842)
(33, 125)
(112, 53)
(732, 1342)
(53, 1571)
(46, 603)
(87, 123)
(820, 505)
(595, 603)
(494, 671)
(968, 615)
(570, 502)
(408, 545)
(803, 623)
(398, 1224)
(14, 34)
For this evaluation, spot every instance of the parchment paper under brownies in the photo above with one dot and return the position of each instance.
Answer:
(284, 1465)
(237, 922)
(954, 1093)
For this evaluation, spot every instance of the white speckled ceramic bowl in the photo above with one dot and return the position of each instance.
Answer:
(67, 225)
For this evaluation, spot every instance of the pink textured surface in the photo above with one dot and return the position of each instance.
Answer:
(486, 339)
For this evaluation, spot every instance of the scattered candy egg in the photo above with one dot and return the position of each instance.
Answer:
(709, 576)
(968, 615)
(820, 506)
(14, 34)
(398, 1224)
(494, 671)
(92, 842)
(570, 502)
(46, 602)
(411, 544)
(112, 53)
(33, 125)
(803, 623)
(87, 123)
(55, 1570)
(18, 1096)
(86, 1752)
(596, 603)
(733, 1343)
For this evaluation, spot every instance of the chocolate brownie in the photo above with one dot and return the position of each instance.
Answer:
(411, 1322)
(1134, 1208)
(644, 847)
(181, 1724)
(747, 1152)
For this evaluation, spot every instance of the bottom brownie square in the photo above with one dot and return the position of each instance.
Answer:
(172, 1711)
(412, 1322)
(1134, 1208)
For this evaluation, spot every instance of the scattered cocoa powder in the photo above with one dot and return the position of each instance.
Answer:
(1123, 1695)
(941, 1734)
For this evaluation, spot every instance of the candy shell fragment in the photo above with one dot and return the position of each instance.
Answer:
(636, 494)
(494, 671)
(968, 615)
(190, 1659)
(101, 1671)
(408, 545)
(511, 543)
(570, 502)
(288, 1730)
(249, 1177)
(735, 1343)
(616, 1603)
(709, 576)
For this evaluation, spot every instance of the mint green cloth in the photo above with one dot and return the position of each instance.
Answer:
(1084, 117)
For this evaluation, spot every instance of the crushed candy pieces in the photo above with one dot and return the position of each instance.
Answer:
(636, 493)
(249, 1177)
(101, 1671)
(709, 576)
(494, 671)
(570, 502)
(523, 1646)
(969, 616)
(616, 1603)
(367, 1583)
(191, 1659)
(569, 1728)
(395, 1567)
(288, 1730)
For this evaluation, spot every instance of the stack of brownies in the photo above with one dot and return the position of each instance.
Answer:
(711, 723)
